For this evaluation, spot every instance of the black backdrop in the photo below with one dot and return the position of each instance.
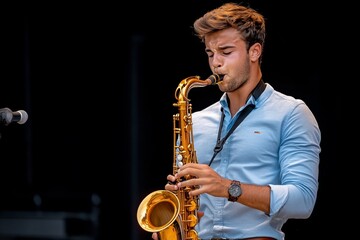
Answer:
(98, 81)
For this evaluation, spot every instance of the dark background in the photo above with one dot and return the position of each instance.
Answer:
(98, 80)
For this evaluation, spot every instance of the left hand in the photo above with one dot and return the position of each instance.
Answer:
(205, 179)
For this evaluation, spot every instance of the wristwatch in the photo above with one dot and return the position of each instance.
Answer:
(234, 191)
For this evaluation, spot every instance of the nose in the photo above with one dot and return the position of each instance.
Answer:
(216, 69)
(216, 63)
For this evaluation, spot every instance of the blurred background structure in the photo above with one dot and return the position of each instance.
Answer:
(97, 81)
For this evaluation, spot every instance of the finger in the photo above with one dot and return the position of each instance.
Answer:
(171, 183)
(200, 214)
(195, 192)
(193, 182)
(187, 171)
(171, 178)
(154, 236)
(171, 187)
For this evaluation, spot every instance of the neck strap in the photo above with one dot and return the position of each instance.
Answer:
(260, 87)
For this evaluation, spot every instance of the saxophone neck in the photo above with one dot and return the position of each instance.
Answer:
(184, 87)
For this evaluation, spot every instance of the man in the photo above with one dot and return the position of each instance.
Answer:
(266, 171)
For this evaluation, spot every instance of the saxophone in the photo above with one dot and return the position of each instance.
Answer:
(173, 215)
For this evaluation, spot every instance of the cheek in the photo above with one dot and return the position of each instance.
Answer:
(240, 60)
(235, 61)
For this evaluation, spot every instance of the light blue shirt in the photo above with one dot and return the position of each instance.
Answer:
(277, 144)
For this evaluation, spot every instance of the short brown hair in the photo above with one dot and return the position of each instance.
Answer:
(249, 23)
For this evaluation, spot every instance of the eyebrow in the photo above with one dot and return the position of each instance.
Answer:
(220, 48)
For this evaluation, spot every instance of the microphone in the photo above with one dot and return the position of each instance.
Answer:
(7, 116)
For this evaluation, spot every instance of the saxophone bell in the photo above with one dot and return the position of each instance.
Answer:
(159, 212)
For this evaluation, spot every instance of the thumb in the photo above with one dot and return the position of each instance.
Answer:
(154, 236)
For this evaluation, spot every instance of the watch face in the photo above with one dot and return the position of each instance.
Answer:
(235, 190)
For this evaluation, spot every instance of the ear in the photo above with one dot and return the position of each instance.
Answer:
(255, 52)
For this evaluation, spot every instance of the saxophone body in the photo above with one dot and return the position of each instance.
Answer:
(173, 215)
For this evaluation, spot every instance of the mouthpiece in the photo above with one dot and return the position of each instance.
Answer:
(215, 78)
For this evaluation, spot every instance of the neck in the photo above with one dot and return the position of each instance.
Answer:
(238, 98)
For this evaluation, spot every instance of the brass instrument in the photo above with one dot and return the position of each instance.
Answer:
(173, 215)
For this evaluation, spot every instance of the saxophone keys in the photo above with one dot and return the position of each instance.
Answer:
(192, 220)
(192, 205)
(192, 234)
